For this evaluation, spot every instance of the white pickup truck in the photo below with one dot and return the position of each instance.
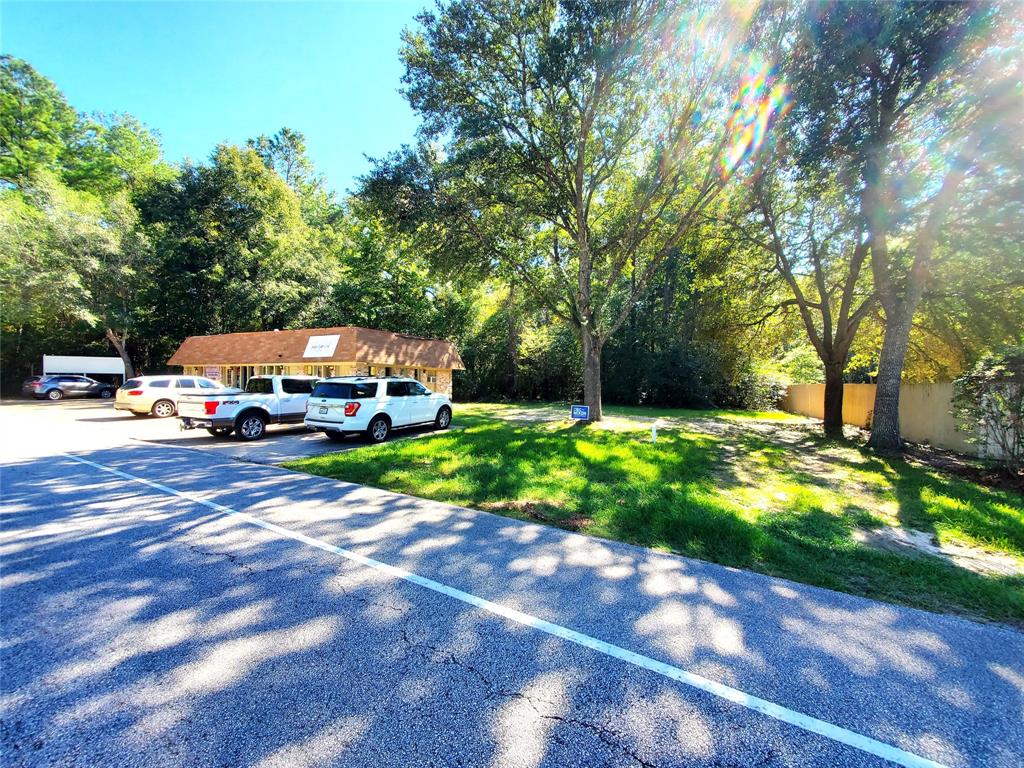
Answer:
(266, 400)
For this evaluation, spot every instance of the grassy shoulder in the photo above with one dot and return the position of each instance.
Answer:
(755, 491)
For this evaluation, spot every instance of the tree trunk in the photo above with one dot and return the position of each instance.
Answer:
(885, 419)
(512, 345)
(119, 346)
(834, 400)
(591, 372)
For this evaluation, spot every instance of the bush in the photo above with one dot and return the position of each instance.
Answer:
(988, 401)
(754, 391)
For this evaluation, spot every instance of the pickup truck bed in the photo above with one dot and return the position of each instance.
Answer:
(267, 400)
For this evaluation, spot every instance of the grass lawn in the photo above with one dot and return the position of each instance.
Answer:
(757, 491)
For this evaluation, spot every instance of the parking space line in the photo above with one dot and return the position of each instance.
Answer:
(736, 696)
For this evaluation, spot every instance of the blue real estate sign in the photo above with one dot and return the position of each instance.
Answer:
(581, 412)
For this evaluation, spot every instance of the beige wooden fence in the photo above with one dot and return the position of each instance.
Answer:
(924, 411)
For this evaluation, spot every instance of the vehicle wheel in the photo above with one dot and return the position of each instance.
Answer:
(106, 394)
(378, 430)
(444, 417)
(252, 427)
(220, 431)
(54, 394)
(335, 436)
(163, 408)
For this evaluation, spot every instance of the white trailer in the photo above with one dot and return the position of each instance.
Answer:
(82, 365)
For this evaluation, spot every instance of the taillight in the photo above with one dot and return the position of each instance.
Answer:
(211, 407)
(351, 409)
(135, 392)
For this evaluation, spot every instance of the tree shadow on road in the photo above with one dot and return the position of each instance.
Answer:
(142, 624)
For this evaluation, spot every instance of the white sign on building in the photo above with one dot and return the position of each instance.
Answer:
(321, 346)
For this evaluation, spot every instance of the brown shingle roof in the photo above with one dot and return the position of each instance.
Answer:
(355, 345)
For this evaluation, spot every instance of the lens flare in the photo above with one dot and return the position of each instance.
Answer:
(763, 97)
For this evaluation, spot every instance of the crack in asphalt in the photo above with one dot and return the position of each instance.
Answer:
(603, 732)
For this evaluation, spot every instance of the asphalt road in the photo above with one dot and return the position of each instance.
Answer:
(96, 420)
(162, 606)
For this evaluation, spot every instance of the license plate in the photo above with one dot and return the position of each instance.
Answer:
(323, 409)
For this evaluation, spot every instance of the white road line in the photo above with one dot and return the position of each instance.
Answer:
(765, 707)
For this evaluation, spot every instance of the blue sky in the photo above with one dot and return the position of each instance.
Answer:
(203, 73)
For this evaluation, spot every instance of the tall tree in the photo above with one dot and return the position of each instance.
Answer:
(72, 256)
(36, 123)
(815, 244)
(234, 251)
(72, 250)
(285, 153)
(909, 97)
(581, 143)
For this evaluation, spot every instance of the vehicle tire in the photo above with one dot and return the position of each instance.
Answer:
(335, 436)
(106, 394)
(163, 409)
(220, 431)
(251, 426)
(377, 431)
(54, 394)
(444, 417)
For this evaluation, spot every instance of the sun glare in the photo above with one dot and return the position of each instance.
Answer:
(762, 98)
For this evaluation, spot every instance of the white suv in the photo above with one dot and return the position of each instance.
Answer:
(346, 404)
(158, 395)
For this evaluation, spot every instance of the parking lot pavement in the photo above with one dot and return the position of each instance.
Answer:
(283, 442)
(167, 607)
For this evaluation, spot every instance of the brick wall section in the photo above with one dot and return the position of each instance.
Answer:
(444, 382)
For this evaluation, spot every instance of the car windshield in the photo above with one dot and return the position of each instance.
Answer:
(131, 384)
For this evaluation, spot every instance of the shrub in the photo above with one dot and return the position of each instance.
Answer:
(754, 391)
(988, 401)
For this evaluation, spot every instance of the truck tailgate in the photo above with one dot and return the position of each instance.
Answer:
(194, 406)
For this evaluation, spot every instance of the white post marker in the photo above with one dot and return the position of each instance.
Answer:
(736, 696)
(654, 432)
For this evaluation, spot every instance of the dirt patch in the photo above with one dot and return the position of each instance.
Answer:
(964, 466)
(909, 541)
(541, 511)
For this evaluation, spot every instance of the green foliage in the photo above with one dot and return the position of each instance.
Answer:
(234, 251)
(798, 365)
(754, 390)
(115, 153)
(989, 403)
(68, 256)
(382, 283)
(36, 123)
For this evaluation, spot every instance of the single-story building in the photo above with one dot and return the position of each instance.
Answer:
(343, 351)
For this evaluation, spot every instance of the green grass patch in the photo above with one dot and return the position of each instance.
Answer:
(737, 496)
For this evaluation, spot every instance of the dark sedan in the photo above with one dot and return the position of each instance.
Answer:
(28, 386)
(59, 387)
